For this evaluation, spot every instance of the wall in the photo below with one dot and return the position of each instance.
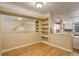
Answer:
(0, 42)
(10, 38)
(61, 40)
(18, 39)
(11, 24)
(0, 30)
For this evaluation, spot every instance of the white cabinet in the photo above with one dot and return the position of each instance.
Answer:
(76, 42)
(62, 40)
(68, 25)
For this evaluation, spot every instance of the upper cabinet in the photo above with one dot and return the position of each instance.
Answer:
(68, 25)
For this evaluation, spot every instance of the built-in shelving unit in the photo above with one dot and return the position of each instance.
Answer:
(45, 29)
(37, 26)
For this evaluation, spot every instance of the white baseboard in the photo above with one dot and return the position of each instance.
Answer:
(56, 46)
(20, 46)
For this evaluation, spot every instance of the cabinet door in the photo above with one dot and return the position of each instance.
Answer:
(58, 40)
(76, 42)
(64, 41)
(68, 26)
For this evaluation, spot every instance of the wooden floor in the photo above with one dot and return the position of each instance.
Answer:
(38, 49)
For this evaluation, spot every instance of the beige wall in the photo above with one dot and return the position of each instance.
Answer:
(10, 39)
(0, 30)
(18, 39)
(62, 40)
(0, 42)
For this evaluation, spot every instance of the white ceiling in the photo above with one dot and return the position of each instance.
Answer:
(59, 8)
(52, 7)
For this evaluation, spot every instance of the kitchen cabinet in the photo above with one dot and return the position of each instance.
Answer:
(68, 25)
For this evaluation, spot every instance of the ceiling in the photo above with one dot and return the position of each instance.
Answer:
(59, 8)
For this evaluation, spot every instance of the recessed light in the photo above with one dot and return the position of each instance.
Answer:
(39, 4)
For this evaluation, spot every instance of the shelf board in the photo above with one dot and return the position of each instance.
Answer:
(44, 35)
(36, 31)
(44, 26)
(58, 23)
(44, 20)
(36, 21)
(44, 30)
(37, 27)
(44, 23)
